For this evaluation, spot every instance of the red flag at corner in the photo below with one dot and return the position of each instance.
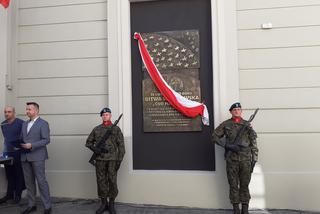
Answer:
(5, 3)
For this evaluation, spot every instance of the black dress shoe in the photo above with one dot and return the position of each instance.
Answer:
(29, 210)
(4, 199)
(47, 211)
(16, 200)
(11, 201)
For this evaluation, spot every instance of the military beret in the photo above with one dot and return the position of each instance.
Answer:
(235, 105)
(105, 110)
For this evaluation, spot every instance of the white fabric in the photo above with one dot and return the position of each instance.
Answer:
(182, 100)
(30, 124)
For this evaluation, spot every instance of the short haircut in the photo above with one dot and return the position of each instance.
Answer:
(13, 109)
(34, 104)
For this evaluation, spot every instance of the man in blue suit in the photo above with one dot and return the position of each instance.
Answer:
(35, 136)
(11, 129)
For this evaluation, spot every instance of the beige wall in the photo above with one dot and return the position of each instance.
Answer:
(280, 73)
(63, 60)
(60, 61)
(3, 71)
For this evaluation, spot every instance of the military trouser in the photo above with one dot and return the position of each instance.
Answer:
(239, 176)
(106, 179)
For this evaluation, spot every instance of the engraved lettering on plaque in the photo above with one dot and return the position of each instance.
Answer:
(176, 55)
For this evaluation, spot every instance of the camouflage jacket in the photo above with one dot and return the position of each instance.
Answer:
(114, 143)
(248, 142)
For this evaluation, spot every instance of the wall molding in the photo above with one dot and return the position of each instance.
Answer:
(225, 62)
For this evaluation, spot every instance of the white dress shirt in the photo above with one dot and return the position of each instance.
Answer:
(30, 124)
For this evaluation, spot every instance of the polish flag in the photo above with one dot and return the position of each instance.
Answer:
(5, 3)
(187, 107)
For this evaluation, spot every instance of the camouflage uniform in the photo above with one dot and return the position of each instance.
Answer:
(107, 164)
(238, 163)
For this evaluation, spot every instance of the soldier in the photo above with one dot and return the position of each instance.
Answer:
(241, 157)
(108, 160)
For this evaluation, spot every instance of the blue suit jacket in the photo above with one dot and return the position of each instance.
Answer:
(39, 137)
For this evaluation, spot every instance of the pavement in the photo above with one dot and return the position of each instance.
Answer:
(87, 206)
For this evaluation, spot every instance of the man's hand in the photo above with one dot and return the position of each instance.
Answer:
(26, 145)
(232, 147)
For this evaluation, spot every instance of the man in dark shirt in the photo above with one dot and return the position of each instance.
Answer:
(11, 129)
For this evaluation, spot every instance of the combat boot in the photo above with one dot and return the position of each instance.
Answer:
(245, 208)
(103, 207)
(236, 209)
(111, 206)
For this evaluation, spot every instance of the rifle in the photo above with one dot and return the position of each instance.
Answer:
(101, 144)
(237, 140)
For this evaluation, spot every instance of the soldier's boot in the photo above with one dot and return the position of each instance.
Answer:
(245, 209)
(112, 210)
(236, 209)
(103, 207)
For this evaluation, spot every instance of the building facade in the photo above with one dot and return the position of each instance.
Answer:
(73, 58)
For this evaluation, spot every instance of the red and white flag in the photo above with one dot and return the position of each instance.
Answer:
(5, 3)
(187, 107)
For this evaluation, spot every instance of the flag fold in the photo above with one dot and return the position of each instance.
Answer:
(186, 106)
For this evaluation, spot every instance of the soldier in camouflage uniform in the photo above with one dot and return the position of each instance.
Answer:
(240, 158)
(108, 160)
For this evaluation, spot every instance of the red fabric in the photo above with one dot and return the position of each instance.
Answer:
(162, 87)
(5, 3)
(107, 123)
(236, 119)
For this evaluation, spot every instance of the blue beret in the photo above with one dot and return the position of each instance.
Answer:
(105, 110)
(235, 105)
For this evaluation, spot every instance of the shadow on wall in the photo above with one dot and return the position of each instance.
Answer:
(285, 190)
(287, 173)
(258, 189)
(223, 186)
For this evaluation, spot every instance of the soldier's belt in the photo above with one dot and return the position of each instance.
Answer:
(104, 151)
(244, 149)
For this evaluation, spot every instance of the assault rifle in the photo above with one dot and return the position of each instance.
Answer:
(101, 144)
(237, 141)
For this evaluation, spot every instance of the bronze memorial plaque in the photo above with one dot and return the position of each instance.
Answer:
(176, 55)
